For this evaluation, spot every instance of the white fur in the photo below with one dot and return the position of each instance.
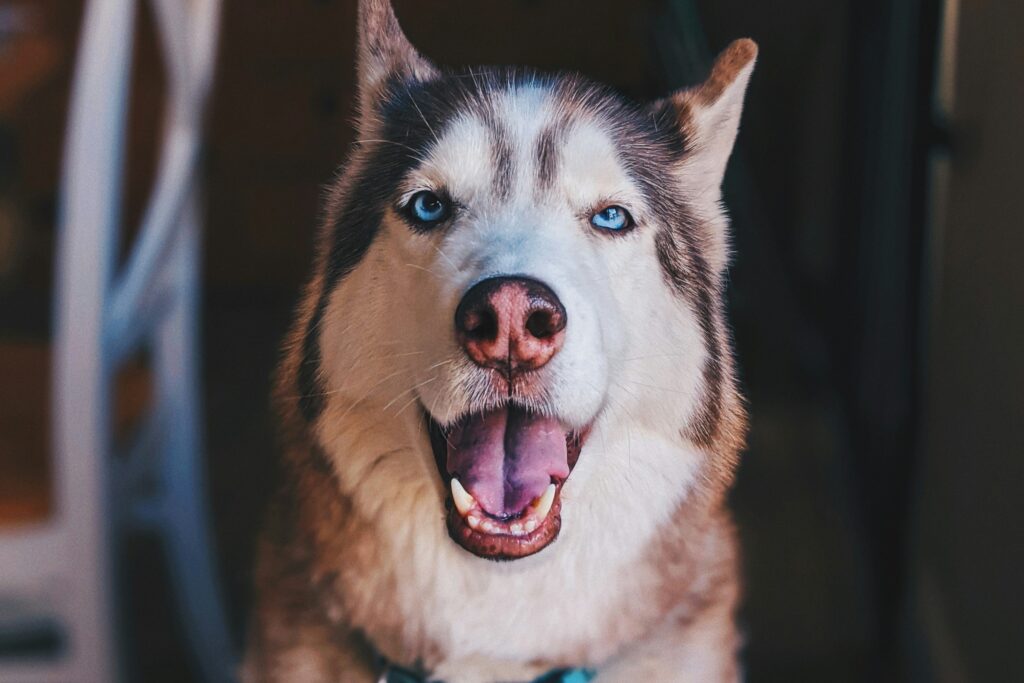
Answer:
(630, 366)
(630, 362)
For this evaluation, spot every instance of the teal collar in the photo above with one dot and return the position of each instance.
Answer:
(396, 674)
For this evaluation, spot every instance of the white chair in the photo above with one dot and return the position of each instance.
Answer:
(60, 572)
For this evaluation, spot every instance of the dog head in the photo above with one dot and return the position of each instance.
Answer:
(516, 312)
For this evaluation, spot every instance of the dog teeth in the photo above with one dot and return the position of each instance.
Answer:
(464, 502)
(543, 505)
(470, 510)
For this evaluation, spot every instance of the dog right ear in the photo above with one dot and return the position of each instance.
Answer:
(384, 54)
(709, 115)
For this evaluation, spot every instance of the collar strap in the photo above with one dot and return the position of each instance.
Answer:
(392, 673)
(397, 674)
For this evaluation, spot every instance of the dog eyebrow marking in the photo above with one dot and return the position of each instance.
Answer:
(501, 154)
(547, 154)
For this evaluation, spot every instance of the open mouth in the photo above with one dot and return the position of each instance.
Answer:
(504, 471)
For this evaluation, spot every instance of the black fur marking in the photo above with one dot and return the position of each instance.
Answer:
(310, 397)
(501, 154)
(669, 120)
(547, 154)
(688, 273)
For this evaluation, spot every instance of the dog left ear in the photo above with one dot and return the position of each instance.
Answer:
(709, 114)
(384, 54)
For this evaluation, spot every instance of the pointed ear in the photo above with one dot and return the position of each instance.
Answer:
(709, 114)
(384, 53)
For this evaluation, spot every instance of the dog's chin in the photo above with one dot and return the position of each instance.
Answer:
(510, 534)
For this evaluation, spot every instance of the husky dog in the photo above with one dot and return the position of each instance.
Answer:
(509, 401)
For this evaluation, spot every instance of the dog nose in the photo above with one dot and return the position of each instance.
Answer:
(511, 324)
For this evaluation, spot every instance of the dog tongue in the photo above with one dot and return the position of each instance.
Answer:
(507, 457)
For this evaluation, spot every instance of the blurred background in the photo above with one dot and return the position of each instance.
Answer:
(876, 295)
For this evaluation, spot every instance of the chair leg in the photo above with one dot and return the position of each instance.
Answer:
(185, 520)
(84, 261)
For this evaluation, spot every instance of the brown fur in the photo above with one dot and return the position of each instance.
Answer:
(729, 64)
(327, 601)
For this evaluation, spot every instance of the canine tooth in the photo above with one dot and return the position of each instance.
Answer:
(464, 502)
(543, 506)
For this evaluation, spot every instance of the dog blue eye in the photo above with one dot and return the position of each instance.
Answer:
(427, 207)
(614, 218)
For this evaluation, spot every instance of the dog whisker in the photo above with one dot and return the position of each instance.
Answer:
(649, 357)
(412, 388)
(369, 392)
(657, 388)
(390, 142)
(425, 270)
(414, 398)
(358, 360)
(440, 363)
(443, 255)
(420, 112)
(400, 355)
(343, 389)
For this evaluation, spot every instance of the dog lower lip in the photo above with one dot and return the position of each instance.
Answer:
(506, 534)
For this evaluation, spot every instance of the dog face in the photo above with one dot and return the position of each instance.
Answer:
(517, 300)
